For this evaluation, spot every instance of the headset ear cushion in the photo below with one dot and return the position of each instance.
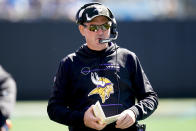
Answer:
(114, 24)
(113, 29)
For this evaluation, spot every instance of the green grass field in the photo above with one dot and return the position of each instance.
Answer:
(171, 115)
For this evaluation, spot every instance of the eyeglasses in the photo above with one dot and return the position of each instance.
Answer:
(103, 27)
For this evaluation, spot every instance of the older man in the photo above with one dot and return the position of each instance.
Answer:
(100, 71)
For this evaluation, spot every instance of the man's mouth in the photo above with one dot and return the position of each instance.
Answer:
(100, 39)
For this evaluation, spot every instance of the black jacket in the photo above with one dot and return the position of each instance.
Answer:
(116, 79)
(7, 95)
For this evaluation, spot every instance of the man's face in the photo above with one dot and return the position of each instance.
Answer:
(93, 37)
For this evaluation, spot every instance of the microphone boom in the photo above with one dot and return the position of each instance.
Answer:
(109, 40)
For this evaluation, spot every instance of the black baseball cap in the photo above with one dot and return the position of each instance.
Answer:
(90, 12)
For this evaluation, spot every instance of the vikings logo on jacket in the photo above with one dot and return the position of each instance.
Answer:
(104, 87)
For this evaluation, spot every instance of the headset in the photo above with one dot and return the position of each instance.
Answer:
(114, 32)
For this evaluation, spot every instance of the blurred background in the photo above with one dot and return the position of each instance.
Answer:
(36, 34)
(124, 10)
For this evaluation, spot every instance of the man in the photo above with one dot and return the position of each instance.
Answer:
(100, 71)
(7, 98)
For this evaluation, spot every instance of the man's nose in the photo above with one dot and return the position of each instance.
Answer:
(100, 31)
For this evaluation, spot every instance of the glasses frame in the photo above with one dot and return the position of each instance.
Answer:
(95, 28)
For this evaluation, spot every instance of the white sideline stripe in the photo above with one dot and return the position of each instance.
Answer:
(166, 108)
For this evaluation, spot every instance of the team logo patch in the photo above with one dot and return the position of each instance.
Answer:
(104, 87)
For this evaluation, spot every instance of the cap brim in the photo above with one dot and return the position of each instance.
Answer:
(89, 20)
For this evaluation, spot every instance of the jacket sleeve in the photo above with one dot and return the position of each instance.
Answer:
(147, 99)
(7, 95)
(58, 106)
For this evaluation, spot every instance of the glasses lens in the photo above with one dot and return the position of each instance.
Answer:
(93, 28)
(105, 26)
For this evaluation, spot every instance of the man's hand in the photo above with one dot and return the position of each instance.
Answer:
(126, 119)
(91, 121)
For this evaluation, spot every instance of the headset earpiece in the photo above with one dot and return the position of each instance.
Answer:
(114, 24)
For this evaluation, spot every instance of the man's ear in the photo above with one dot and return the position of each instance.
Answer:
(81, 29)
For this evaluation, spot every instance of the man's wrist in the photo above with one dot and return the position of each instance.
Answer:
(132, 114)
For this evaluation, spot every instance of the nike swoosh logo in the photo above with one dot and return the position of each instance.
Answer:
(88, 18)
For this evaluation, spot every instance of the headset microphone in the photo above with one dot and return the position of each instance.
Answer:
(110, 39)
(105, 41)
